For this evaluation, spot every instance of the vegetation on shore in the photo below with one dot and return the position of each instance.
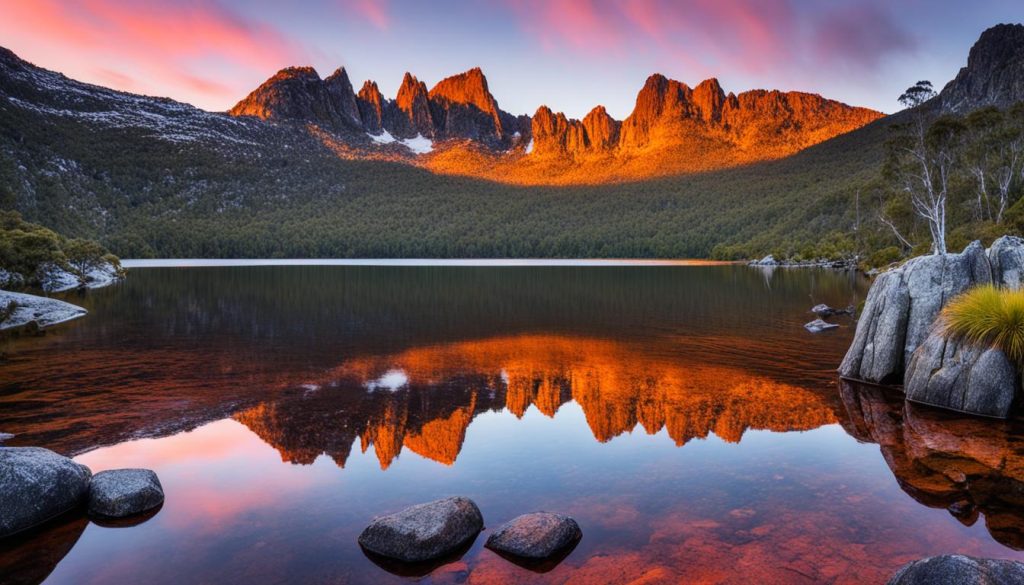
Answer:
(989, 317)
(31, 253)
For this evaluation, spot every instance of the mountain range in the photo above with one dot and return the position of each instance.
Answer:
(305, 166)
(457, 127)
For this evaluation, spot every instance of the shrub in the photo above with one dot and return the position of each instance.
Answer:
(988, 316)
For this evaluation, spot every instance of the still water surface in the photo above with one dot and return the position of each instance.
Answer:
(679, 412)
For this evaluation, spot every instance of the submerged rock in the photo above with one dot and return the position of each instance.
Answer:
(902, 306)
(950, 569)
(124, 492)
(37, 485)
(960, 376)
(536, 536)
(817, 326)
(425, 531)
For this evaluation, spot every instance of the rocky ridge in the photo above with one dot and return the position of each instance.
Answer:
(691, 129)
(994, 75)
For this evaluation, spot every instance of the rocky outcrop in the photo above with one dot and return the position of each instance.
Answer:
(37, 485)
(944, 569)
(958, 376)
(994, 75)
(413, 104)
(297, 94)
(118, 493)
(899, 340)
(536, 536)
(424, 532)
(458, 107)
(1006, 257)
(901, 307)
(463, 106)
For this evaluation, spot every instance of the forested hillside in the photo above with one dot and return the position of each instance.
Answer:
(142, 196)
(153, 177)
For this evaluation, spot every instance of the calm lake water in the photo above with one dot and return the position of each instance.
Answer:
(680, 413)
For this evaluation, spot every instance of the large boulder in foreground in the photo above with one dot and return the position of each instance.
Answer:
(956, 569)
(961, 376)
(901, 307)
(37, 485)
(424, 532)
(118, 493)
(536, 536)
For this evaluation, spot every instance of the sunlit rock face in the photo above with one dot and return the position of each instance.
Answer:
(444, 387)
(673, 128)
(297, 94)
(972, 467)
(459, 108)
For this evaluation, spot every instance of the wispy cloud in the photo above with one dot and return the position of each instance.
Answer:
(196, 45)
(734, 35)
(376, 12)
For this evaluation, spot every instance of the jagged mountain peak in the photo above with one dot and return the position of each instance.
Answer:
(469, 87)
(297, 72)
(994, 75)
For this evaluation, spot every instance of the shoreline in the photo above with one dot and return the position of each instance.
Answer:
(425, 262)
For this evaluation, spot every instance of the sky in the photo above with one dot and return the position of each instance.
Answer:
(570, 55)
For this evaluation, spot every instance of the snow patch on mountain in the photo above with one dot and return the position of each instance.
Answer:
(419, 144)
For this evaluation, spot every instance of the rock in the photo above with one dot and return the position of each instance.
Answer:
(425, 531)
(994, 75)
(44, 311)
(824, 311)
(768, 260)
(817, 326)
(877, 349)
(902, 306)
(536, 536)
(956, 569)
(124, 492)
(1006, 257)
(38, 485)
(962, 377)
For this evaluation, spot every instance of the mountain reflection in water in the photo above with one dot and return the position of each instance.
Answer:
(445, 387)
(682, 415)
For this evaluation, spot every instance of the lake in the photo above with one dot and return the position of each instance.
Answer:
(679, 411)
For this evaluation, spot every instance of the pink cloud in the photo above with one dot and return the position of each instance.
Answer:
(708, 36)
(150, 47)
(374, 11)
(862, 34)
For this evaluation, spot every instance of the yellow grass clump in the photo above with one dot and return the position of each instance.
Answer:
(988, 316)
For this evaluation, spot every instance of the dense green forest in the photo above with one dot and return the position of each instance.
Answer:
(142, 196)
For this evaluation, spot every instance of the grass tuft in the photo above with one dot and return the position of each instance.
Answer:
(988, 316)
